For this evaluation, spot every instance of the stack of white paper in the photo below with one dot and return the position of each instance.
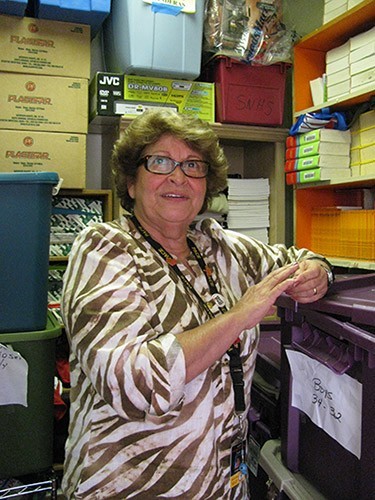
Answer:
(248, 201)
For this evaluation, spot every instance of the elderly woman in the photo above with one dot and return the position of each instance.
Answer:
(162, 316)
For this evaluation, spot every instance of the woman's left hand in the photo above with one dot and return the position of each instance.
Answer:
(311, 281)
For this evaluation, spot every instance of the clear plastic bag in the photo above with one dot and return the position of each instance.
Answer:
(249, 30)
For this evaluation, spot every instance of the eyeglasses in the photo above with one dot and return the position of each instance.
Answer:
(163, 165)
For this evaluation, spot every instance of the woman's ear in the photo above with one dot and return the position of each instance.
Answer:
(131, 189)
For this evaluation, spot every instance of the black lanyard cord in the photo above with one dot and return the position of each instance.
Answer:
(235, 364)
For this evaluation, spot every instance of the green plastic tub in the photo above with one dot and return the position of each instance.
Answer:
(27, 432)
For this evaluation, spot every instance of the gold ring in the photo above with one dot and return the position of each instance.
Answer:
(315, 291)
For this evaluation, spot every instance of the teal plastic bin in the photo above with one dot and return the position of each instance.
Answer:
(25, 214)
(27, 432)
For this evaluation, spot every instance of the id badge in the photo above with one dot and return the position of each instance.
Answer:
(238, 467)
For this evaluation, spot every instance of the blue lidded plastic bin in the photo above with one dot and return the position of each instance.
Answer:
(25, 213)
(92, 12)
(13, 7)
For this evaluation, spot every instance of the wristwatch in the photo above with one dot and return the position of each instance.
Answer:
(330, 275)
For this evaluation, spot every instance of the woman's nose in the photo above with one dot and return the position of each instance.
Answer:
(178, 175)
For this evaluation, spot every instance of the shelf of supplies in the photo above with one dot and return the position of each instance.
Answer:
(353, 182)
(105, 195)
(342, 103)
(310, 53)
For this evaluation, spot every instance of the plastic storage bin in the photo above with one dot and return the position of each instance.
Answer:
(27, 432)
(13, 7)
(150, 40)
(92, 12)
(247, 94)
(339, 232)
(25, 208)
(337, 332)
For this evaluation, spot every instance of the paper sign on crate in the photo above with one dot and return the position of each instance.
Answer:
(332, 401)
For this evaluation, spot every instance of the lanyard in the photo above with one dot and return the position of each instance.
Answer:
(235, 364)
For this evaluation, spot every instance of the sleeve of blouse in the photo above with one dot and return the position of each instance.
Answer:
(259, 259)
(108, 315)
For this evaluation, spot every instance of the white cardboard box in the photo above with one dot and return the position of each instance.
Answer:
(338, 52)
(337, 64)
(327, 17)
(362, 52)
(362, 65)
(338, 77)
(362, 39)
(362, 79)
(342, 88)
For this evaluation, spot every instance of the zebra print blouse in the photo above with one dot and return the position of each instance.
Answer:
(137, 430)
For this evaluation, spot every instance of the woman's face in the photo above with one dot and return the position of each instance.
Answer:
(171, 198)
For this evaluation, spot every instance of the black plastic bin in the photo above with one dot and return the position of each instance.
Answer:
(339, 332)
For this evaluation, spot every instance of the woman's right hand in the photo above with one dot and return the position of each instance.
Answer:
(259, 299)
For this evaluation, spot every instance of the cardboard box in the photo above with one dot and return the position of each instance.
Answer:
(362, 79)
(318, 148)
(337, 53)
(367, 153)
(319, 134)
(361, 39)
(107, 101)
(338, 77)
(45, 103)
(37, 46)
(25, 151)
(337, 64)
(362, 52)
(339, 89)
(367, 136)
(315, 161)
(362, 65)
(190, 97)
(317, 174)
(367, 119)
(338, 11)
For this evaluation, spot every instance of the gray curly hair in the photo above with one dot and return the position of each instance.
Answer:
(147, 129)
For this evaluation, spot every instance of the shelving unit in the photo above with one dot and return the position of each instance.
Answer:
(105, 195)
(256, 152)
(310, 53)
(309, 56)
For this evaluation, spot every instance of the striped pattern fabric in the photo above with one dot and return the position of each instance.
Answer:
(137, 430)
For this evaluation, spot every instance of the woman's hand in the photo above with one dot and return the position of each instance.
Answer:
(259, 299)
(311, 281)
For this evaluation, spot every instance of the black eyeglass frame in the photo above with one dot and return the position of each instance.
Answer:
(144, 161)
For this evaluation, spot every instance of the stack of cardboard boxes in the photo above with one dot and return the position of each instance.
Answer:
(350, 67)
(336, 8)
(362, 151)
(44, 75)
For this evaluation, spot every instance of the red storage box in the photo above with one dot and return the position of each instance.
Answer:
(251, 95)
